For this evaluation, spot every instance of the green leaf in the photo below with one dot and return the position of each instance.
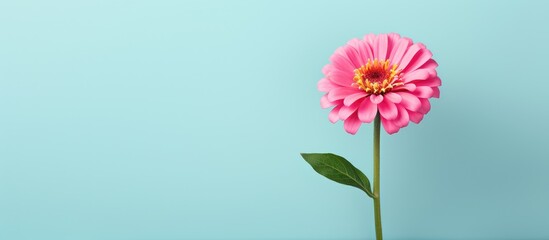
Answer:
(338, 169)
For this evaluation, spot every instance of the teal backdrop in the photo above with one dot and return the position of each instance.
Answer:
(138, 120)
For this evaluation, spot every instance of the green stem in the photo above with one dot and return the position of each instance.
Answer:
(377, 207)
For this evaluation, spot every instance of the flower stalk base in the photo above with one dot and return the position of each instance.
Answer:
(377, 207)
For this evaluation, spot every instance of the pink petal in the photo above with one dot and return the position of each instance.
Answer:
(420, 74)
(393, 40)
(346, 111)
(409, 55)
(354, 97)
(334, 114)
(436, 92)
(403, 118)
(431, 63)
(341, 93)
(425, 106)
(400, 50)
(423, 92)
(324, 102)
(327, 69)
(376, 98)
(415, 116)
(381, 48)
(395, 98)
(341, 62)
(421, 58)
(325, 85)
(387, 109)
(410, 87)
(432, 72)
(361, 55)
(410, 101)
(370, 38)
(353, 56)
(431, 82)
(367, 111)
(352, 124)
(341, 78)
(390, 126)
(364, 50)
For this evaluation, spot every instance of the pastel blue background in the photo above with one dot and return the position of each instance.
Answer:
(185, 120)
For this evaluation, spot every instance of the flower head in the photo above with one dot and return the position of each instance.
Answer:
(386, 74)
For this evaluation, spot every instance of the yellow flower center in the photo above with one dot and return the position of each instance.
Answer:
(377, 77)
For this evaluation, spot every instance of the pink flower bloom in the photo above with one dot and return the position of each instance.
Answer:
(386, 73)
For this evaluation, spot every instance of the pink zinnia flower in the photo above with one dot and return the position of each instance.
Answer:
(386, 73)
